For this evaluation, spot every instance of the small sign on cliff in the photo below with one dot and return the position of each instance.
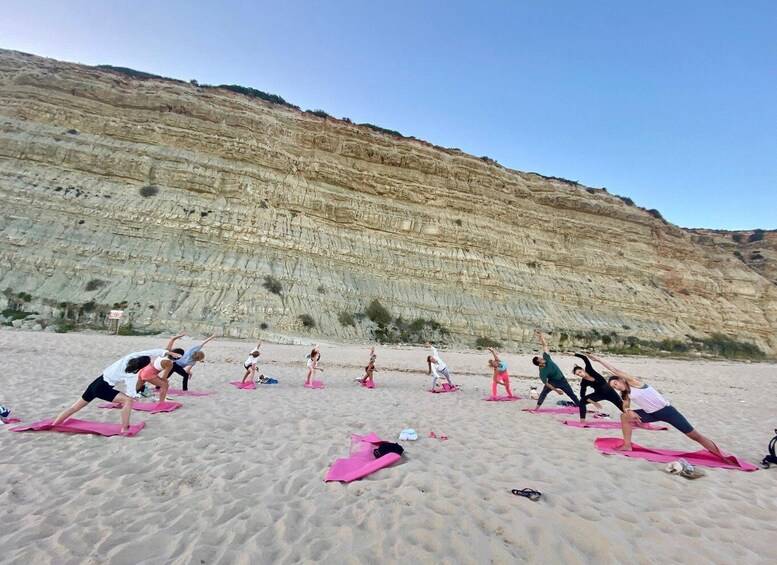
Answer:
(115, 314)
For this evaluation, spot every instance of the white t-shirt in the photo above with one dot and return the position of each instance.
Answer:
(114, 374)
(440, 363)
(158, 362)
(251, 361)
(648, 398)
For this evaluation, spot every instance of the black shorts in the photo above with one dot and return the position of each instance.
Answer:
(99, 389)
(668, 414)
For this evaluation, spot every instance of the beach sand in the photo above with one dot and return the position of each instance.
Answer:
(238, 477)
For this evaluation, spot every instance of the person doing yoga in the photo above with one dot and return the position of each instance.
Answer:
(125, 371)
(250, 364)
(158, 370)
(551, 376)
(601, 389)
(188, 360)
(312, 363)
(369, 369)
(437, 366)
(653, 408)
(501, 376)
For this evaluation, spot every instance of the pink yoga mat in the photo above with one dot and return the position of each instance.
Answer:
(361, 462)
(564, 410)
(502, 398)
(315, 384)
(73, 426)
(445, 388)
(153, 407)
(609, 425)
(11, 420)
(703, 458)
(179, 392)
(248, 385)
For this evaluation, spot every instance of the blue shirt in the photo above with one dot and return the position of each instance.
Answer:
(186, 358)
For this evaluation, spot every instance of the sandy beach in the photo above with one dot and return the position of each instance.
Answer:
(237, 477)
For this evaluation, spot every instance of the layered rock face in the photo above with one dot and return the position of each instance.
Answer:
(189, 203)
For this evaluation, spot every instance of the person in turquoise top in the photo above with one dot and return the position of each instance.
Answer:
(551, 376)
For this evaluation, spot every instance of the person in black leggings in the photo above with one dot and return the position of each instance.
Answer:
(601, 388)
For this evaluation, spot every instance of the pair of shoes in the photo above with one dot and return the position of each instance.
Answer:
(435, 436)
(531, 494)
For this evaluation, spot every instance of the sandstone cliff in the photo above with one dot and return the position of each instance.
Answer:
(189, 203)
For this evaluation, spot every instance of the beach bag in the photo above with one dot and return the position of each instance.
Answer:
(771, 459)
(387, 447)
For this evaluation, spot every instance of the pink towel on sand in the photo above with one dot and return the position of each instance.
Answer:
(73, 426)
(361, 462)
(502, 398)
(368, 384)
(153, 407)
(315, 384)
(179, 392)
(564, 410)
(248, 385)
(11, 420)
(703, 458)
(609, 425)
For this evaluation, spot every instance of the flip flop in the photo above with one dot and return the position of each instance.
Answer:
(529, 493)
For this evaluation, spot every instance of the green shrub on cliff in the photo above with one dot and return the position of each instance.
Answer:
(346, 319)
(377, 313)
(307, 321)
(486, 342)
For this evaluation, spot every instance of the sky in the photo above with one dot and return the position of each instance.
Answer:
(671, 103)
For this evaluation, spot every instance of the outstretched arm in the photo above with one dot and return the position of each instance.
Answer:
(544, 343)
(587, 362)
(617, 372)
(207, 340)
(496, 357)
(172, 341)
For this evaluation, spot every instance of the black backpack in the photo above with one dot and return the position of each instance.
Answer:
(771, 459)
(387, 447)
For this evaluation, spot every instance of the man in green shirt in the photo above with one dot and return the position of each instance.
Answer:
(551, 376)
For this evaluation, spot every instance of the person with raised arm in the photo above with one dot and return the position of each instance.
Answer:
(158, 370)
(188, 360)
(369, 370)
(601, 390)
(250, 364)
(552, 378)
(653, 408)
(437, 366)
(122, 372)
(501, 376)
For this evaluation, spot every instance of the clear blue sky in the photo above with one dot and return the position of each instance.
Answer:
(672, 103)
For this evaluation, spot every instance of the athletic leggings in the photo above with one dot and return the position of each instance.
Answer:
(443, 373)
(609, 395)
(504, 378)
(564, 386)
(181, 371)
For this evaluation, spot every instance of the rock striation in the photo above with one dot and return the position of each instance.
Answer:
(211, 211)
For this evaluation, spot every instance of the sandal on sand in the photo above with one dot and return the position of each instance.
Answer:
(529, 493)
